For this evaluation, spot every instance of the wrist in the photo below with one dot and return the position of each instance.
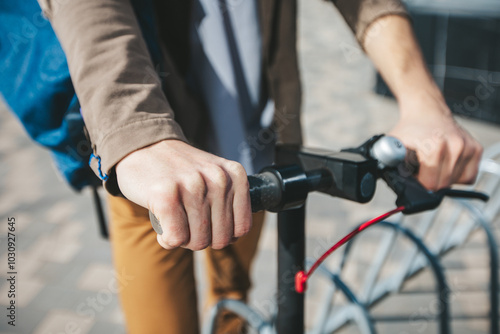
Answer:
(425, 112)
(414, 81)
(420, 96)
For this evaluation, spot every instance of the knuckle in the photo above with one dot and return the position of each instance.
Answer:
(470, 179)
(162, 243)
(241, 232)
(446, 181)
(223, 239)
(219, 177)
(221, 243)
(439, 142)
(238, 174)
(457, 144)
(479, 150)
(199, 245)
(163, 205)
(175, 235)
(470, 174)
(164, 201)
(176, 240)
(473, 155)
(195, 184)
(236, 169)
(242, 229)
(436, 154)
(429, 181)
(163, 191)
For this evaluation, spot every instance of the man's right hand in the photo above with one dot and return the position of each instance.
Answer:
(200, 199)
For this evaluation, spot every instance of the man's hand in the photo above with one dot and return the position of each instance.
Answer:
(200, 199)
(446, 153)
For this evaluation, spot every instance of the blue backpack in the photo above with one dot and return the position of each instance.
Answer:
(36, 84)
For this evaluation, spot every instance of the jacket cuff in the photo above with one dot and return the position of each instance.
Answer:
(125, 140)
(360, 14)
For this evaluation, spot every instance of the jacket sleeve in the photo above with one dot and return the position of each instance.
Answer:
(123, 105)
(359, 14)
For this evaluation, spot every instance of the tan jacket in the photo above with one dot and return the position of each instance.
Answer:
(123, 104)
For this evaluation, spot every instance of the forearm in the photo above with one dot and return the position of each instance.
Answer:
(360, 14)
(122, 102)
(447, 153)
(391, 44)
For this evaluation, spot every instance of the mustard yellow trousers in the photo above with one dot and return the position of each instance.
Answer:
(160, 294)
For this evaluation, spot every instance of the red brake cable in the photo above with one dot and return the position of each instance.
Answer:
(301, 277)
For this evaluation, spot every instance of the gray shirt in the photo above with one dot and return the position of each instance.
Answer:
(235, 127)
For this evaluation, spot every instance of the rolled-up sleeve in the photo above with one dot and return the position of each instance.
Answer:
(123, 105)
(359, 14)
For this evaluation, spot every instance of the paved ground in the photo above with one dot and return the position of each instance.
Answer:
(63, 265)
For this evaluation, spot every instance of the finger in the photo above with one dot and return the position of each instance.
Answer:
(411, 164)
(470, 170)
(430, 167)
(223, 222)
(173, 220)
(462, 162)
(198, 215)
(241, 202)
(220, 197)
(193, 192)
(162, 243)
(453, 153)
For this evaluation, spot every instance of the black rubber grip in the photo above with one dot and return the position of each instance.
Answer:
(265, 191)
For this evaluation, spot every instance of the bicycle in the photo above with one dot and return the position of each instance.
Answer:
(349, 174)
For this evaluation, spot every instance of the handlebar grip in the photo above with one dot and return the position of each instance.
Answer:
(265, 191)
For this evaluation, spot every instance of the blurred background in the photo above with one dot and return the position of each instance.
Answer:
(64, 266)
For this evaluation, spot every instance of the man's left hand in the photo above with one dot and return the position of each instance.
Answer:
(446, 152)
